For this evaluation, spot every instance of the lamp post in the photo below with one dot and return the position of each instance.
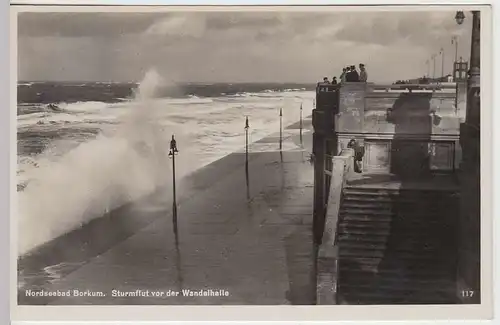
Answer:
(173, 151)
(300, 123)
(433, 57)
(281, 128)
(442, 61)
(247, 126)
(469, 269)
(473, 80)
(454, 41)
(428, 66)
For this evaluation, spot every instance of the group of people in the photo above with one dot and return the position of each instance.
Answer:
(423, 80)
(401, 82)
(350, 74)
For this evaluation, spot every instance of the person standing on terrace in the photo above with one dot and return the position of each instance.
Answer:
(363, 76)
(359, 152)
(348, 74)
(352, 74)
(355, 74)
(343, 75)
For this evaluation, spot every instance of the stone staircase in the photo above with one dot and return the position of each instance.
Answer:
(397, 246)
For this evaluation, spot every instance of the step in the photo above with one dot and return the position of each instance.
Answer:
(399, 205)
(401, 273)
(403, 198)
(397, 209)
(393, 244)
(410, 228)
(397, 289)
(345, 251)
(401, 226)
(364, 204)
(391, 263)
(383, 219)
(395, 232)
(376, 241)
(398, 283)
(420, 215)
(351, 270)
(366, 212)
(402, 202)
(414, 247)
(363, 297)
(348, 189)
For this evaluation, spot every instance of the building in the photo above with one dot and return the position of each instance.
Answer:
(396, 230)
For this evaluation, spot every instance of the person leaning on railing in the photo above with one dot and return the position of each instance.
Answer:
(359, 152)
(363, 76)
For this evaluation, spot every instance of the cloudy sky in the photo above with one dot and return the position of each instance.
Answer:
(235, 46)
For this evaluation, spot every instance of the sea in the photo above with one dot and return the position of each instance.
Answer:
(84, 148)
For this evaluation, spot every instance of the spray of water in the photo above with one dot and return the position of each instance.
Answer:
(99, 175)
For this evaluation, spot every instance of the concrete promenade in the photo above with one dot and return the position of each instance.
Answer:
(258, 250)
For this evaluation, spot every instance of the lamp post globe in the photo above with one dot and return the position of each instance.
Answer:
(460, 17)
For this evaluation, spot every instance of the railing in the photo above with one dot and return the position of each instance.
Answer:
(322, 88)
(412, 87)
(328, 254)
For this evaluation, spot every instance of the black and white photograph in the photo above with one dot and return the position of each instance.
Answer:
(249, 156)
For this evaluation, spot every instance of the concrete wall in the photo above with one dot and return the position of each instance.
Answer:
(327, 262)
(461, 102)
(432, 118)
(363, 111)
(410, 113)
(351, 108)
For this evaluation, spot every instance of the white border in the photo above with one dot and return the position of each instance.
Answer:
(461, 3)
(294, 313)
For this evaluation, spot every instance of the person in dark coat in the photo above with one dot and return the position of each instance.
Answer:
(359, 152)
(348, 74)
(334, 81)
(355, 75)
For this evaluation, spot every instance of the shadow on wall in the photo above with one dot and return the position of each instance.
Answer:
(410, 158)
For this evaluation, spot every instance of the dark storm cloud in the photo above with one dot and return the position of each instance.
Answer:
(233, 46)
(68, 24)
(386, 28)
(78, 24)
(226, 20)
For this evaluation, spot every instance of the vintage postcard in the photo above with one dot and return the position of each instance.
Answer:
(325, 156)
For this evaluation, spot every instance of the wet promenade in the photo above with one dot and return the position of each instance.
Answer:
(240, 248)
